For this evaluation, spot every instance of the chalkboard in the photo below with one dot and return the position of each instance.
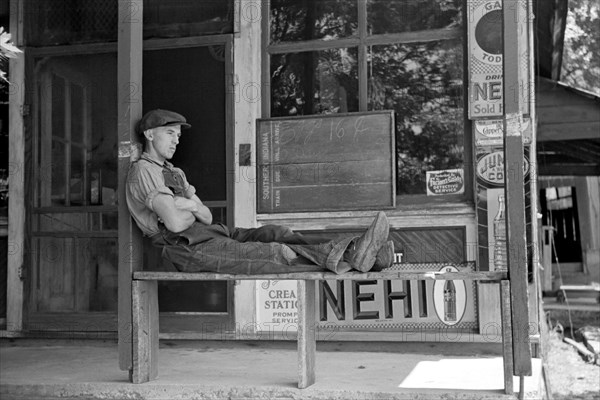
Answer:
(326, 162)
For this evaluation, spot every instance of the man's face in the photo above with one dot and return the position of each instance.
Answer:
(165, 140)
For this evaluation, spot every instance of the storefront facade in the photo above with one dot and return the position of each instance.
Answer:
(226, 65)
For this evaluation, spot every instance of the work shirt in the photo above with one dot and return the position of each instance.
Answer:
(146, 179)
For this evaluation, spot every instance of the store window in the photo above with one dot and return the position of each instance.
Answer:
(338, 56)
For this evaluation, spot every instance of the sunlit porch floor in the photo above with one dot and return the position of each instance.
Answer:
(78, 369)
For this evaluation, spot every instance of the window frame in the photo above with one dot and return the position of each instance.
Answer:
(362, 42)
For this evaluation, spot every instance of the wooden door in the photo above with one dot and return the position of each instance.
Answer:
(73, 280)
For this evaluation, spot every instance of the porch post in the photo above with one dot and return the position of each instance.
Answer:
(129, 80)
(515, 20)
(16, 176)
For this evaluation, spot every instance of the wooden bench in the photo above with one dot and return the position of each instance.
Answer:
(145, 313)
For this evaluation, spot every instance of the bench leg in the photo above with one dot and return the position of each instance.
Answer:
(145, 331)
(507, 340)
(307, 343)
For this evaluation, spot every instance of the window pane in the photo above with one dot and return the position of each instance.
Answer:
(90, 165)
(58, 173)
(58, 107)
(187, 18)
(293, 20)
(55, 22)
(77, 115)
(393, 16)
(205, 296)
(320, 82)
(423, 84)
(78, 181)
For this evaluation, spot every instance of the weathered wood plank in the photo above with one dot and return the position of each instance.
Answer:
(145, 331)
(307, 341)
(129, 81)
(506, 336)
(514, 189)
(16, 178)
(389, 38)
(568, 130)
(568, 113)
(313, 276)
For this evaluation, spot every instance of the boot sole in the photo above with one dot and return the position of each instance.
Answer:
(370, 243)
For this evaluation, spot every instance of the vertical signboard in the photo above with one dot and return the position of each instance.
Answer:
(485, 59)
(490, 188)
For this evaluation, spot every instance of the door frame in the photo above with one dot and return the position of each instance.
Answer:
(110, 321)
(209, 323)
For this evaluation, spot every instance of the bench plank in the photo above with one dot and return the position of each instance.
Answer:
(307, 341)
(390, 274)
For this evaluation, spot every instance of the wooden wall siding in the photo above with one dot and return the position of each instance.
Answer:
(568, 130)
(566, 114)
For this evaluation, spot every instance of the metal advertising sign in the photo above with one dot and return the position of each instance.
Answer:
(490, 167)
(485, 59)
(277, 305)
(422, 306)
(490, 132)
(450, 299)
(410, 305)
(450, 181)
(489, 187)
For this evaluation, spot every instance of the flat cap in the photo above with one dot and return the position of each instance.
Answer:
(158, 117)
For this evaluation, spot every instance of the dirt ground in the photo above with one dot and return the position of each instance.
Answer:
(569, 376)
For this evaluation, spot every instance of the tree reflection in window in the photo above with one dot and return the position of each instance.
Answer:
(337, 56)
(391, 16)
(422, 83)
(295, 20)
(322, 82)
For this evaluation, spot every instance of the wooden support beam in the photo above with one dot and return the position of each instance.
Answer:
(507, 342)
(129, 81)
(515, 20)
(307, 340)
(16, 177)
(145, 331)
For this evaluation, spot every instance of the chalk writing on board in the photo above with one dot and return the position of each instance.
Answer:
(326, 162)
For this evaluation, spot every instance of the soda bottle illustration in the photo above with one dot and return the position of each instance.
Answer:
(500, 259)
(449, 301)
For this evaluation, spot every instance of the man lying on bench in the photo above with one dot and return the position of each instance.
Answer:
(165, 207)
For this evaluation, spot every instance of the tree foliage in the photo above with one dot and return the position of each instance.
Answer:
(581, 54)
(7, 50)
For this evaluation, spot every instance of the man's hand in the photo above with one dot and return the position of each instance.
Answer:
(203, 214)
